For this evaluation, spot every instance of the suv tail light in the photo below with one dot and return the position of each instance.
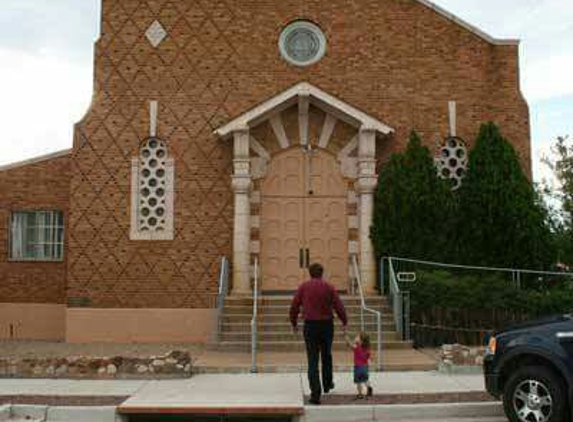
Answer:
(492, 346)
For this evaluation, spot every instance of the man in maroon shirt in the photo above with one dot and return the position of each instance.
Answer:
(318, 298)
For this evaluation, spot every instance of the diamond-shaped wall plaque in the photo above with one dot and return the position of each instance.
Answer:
(155, 33)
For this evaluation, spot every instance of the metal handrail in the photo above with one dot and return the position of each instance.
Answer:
(472, 267)
(365, 308)
(255, 316)
(222, 295)
(399, 301)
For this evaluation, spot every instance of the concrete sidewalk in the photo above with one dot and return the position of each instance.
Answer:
(428, 382)
(274, 394)
(69, 388)
(264, 384)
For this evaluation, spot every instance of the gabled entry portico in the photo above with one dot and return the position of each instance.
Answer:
(304, 177)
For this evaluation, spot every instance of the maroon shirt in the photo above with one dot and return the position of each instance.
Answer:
(317, 298)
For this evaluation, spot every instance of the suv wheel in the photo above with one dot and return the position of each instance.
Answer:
(534, 394)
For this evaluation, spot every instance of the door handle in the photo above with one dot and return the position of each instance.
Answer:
(307, 258)
(300, 258)
(565, 336)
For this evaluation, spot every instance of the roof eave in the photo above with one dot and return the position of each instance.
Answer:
(36, 160)
(469, 26)
(255, 115)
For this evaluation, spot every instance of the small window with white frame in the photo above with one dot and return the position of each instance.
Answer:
(37, 236)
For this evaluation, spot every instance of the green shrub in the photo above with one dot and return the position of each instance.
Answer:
(495, 219)
(503, 221)
(442, 289)
(411, 206)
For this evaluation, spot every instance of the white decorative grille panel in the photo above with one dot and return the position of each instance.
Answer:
(152, 192)
(452, 162)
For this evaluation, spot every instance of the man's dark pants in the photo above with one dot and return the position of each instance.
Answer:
(318, 336)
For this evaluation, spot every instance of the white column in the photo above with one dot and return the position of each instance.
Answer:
(452, 106)
(153, 111)
(242, 183)
(365, 186)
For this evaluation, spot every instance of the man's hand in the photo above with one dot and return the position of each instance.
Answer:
(295, 329)
(344, 329)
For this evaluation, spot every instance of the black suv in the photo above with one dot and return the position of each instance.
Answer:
(531, 366)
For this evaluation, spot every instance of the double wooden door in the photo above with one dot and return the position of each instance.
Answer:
(303, 219)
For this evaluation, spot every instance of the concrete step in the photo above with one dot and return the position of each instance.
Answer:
(286, 327)
(297, 346)
(290, 337)
(280, 309)
(284, 318)
(286, 300)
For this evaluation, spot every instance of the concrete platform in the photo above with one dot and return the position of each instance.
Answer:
(220, 395)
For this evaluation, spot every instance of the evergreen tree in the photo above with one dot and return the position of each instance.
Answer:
(412, 207)
(560, 194)
(502, 219)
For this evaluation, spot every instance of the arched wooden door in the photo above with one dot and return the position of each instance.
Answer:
(303, 219)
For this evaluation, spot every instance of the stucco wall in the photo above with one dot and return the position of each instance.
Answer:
(25, 321)
(140, 325)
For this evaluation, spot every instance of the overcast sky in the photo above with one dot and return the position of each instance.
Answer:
(46, 59)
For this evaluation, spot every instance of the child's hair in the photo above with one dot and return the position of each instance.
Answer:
(364, 340)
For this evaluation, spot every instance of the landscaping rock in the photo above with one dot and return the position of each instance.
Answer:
(459, 355)
(172, 365)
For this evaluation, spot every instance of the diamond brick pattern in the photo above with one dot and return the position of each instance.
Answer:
(218, 59)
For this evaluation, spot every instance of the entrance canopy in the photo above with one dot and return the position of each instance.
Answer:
(354, 155)
(304, 94)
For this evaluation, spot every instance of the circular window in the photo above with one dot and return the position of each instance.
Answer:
(302, 43)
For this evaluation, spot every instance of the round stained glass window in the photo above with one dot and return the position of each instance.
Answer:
(302, 43)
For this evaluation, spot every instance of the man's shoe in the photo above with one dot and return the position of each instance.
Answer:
(329, 388)
(370, 391)
(314, 401)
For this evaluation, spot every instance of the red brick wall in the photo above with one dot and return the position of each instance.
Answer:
(41, 186)
(394, 59)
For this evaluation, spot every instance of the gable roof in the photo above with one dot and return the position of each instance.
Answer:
(468, 26)
(285, 99)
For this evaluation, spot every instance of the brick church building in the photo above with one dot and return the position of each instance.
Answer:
(247, 129)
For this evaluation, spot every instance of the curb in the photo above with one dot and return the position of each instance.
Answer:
(32, 413)
(402, 412)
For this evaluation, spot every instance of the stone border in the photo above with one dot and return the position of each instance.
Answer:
(455, 355)
(175, 364)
